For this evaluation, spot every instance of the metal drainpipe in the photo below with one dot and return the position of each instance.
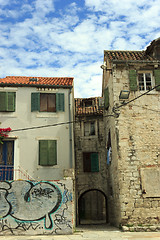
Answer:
(70, 130)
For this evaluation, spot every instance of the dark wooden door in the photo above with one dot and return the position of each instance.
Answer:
(92, 208)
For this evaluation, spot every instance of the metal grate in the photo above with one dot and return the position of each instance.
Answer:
(8, 173)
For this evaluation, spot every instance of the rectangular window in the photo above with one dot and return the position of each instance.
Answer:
(87, 102)
(7, 101)
(47, 102)
(90, 162)
(89, 128)
(145, 81)
(47, 152)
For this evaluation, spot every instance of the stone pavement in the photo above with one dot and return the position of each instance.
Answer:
(103, 232)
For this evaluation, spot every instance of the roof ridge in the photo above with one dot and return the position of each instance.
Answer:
(41, 81)
(34, 77)
(124, 50)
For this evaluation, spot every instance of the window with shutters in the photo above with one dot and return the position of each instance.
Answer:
(47, 102)
(7, 101)
(47, 152)
(89, 128)
(143, 80)
(90, 162)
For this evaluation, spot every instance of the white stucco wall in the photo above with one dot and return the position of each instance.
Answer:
(26, 141)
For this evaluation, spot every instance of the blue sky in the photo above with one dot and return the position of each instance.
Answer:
(67, 38)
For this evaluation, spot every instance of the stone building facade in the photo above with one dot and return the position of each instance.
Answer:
(133, 136)
(90, 162)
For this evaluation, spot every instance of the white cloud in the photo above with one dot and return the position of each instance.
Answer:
(43, 7)
(3, 3)
(46, 41)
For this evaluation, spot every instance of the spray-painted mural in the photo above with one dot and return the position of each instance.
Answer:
(36, 207)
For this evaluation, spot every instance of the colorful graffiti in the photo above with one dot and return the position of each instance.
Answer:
(35, 206)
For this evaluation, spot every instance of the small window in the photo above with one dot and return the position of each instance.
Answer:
(90, 162)
(87, 102)
(47, 152)
(145, 81)
(47, 102)
(89, 128)
(7, 101)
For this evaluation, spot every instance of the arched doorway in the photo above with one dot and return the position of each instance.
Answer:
(92, 207)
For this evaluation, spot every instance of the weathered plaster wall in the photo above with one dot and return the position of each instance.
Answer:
(138, 147)
(26, 146)
(35, 208)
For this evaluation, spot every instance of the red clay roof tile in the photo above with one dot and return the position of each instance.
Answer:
(36, 81)
(83, 107)
(128, 55)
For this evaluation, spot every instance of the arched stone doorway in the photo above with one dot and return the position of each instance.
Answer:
(92, 207)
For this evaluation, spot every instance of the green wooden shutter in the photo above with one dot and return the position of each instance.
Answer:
(52, 152)
(106, 98)
(94, 162)
(3, 101)
(133, 80)
(11, 101)
(60, 102)
(35, 102)
(157, 78)
(43, 152)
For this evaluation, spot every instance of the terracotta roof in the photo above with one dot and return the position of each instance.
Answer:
(88, 106)
(36, 81)
(128, 56)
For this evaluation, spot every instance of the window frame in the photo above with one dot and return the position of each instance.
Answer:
(90, 162)
(85, 123)
(144, 80)
(45, 98)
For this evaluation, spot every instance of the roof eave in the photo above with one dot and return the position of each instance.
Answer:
(34, 85)
(135, 61)
(88, 114)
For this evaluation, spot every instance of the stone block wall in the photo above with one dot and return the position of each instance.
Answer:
(86, 181)
(90, 144)
(35, 208)
(136, 148)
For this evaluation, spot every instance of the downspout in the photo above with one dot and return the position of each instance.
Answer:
(71, 154)
(70, 131)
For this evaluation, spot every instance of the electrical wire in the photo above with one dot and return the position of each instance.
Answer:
(52, 125)
(114, 109)
(137, 97)
(42, 126)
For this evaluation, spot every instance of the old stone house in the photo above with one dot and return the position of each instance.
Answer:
(90, 161)
(132, 103)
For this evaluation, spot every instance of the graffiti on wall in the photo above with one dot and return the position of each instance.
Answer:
(34, 206)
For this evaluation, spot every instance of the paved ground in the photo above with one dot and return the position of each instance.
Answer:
(93, 233)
